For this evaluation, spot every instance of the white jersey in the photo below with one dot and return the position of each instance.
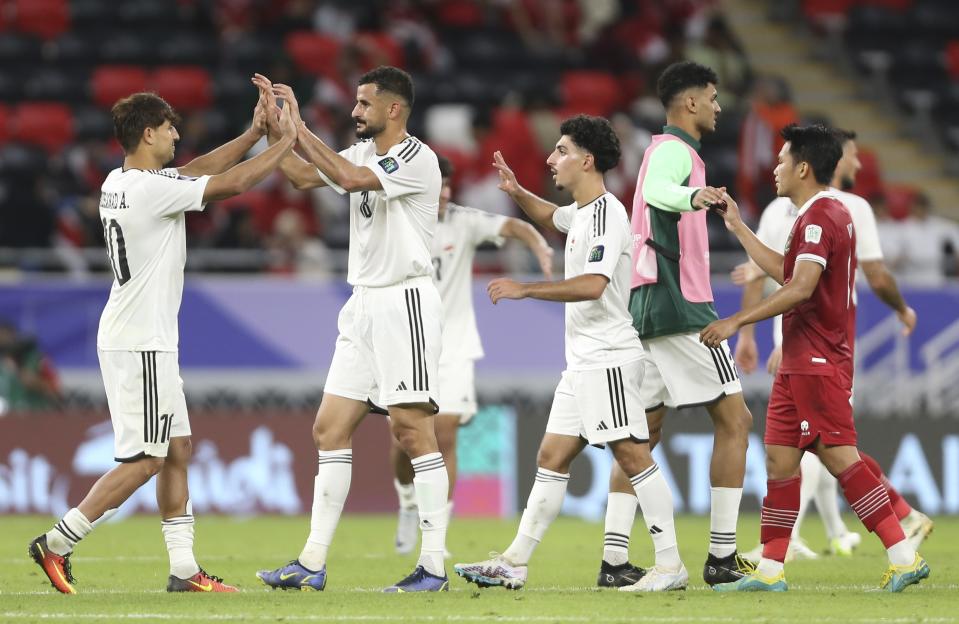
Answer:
(777, 220)
(391, 229)
(457, 236)
(145, 230)
(599, 333)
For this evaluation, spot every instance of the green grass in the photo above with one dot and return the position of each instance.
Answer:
(122, 571)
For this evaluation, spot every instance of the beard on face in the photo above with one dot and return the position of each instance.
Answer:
(846, 183)
(368, 131)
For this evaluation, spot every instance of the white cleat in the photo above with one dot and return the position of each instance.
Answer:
(917, 526)
(494, 572)
(845, 544)
(798, 551)
(753, 556)
(657, 579)
(407, 530)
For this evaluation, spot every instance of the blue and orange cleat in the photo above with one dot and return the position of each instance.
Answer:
(419, 581)
(898, 578)
(56, 567)
(199, 582)
(754, 582)
(294, 576)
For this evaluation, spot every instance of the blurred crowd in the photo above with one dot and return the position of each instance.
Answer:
(28, 380)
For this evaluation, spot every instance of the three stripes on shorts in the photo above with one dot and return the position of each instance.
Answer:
(156, 427)
(414, 312)
(724, 365)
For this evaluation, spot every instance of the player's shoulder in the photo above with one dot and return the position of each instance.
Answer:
(608, 207)
(856, 204)
(411, 150)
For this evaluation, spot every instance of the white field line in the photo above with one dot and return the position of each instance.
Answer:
(428, 618)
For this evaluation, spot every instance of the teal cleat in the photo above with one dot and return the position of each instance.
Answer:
(754, 582)
(898, 578)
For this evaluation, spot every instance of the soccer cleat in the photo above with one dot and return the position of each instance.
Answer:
(727, 569)
(294, 576)
(917, 526)
(754, 582)
(56, 567)
(495, 571)
(898, 578)
(407, 530)
(618, 575)
(199, 582)
(658, 580)
(845, 544)
(753, 556)
(420, 581)
(799, 551)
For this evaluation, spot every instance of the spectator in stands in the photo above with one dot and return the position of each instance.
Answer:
(928, 245)
(28, 380)
(292, 251)
(720, 50)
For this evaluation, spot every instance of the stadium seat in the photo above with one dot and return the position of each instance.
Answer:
(92, 123)
(385, 45)
(184, 87)
(47, 124)
(4, 124)
(186, 48)
(52, 84)
(591, 92)
(109, 83)
(126, 48)
(87, 14)
(72, 50)
(44, 18)
(313, 53)
(19, 50)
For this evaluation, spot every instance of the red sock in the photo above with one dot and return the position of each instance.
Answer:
(869, 500)
(899, 504)
(780, 508)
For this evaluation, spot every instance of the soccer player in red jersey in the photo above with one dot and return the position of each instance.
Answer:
(810, 408)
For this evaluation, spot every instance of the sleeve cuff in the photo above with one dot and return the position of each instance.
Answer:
(812, 258)
(333, 185)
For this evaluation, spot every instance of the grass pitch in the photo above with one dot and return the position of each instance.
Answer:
(122, 570)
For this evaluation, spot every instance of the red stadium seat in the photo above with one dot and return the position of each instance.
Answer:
(313, 53)
(109, 83)
(591, 92)
(45, 18)
(47, 124)
(379, 48)
(4, 124)
(186, 88)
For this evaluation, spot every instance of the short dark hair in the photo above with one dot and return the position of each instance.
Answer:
(596, 136)
(681, 76)
(392, 79)
(817, 145)
(843, 135)
(446, 166)
(135, 113)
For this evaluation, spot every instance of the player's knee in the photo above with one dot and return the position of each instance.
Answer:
(329, 438)
(550, 459)
(180, 451)
(151, 466)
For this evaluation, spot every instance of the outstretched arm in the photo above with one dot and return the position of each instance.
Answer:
(537, 208)
(228, 154)
(520, 230)
(747, 354)
(883, 284)
(587, 287)
(768, 259)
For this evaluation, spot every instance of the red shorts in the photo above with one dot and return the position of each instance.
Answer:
(805, 407)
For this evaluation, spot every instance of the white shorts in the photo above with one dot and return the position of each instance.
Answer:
(683, 372)
(600, 405)
(457, 389)
(147, 406)
(388, 349)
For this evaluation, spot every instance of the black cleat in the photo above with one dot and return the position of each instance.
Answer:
(726, 569)
(619, 575)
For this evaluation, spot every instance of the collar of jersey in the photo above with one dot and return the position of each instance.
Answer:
(827, 193)
(592, 201)
(682, 134)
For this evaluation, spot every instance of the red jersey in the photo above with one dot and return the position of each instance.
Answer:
(817, 336)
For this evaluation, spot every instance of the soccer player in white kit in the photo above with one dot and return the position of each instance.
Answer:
(775, 225)
(597, 400)
(388, 348)
(142, 207)
(459, 231)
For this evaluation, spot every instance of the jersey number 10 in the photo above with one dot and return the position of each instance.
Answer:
(117, 249)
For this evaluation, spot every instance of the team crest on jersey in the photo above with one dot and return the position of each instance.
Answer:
(596, 253)
(389, 164)
(813, 234)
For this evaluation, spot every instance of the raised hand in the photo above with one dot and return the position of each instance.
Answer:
(504, 288)
(708, 197)
(287, 125)
(507, 179)
(730, 213)
(268, 103)
(286, 94)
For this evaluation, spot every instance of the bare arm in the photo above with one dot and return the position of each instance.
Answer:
(800, 288)
(883, 284)
(228, 154)
(768, 259)
(580, 288)
(535, 207)
(520, 230)
(242, 177)
(747, 355)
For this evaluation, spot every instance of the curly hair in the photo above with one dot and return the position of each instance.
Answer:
(596, 136)
(681, 76)
(817, 145)
(392, 79)
(135, 113)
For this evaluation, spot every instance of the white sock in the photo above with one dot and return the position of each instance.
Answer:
(330, 487)
(620, 515)
(65, 534)
(656, 501)
(901, 553)
(770, 568)
(810, 469)
(406, 494)
(432, 484)
(827, 502)
(542, 507)
(723, 514)
(178, 535)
